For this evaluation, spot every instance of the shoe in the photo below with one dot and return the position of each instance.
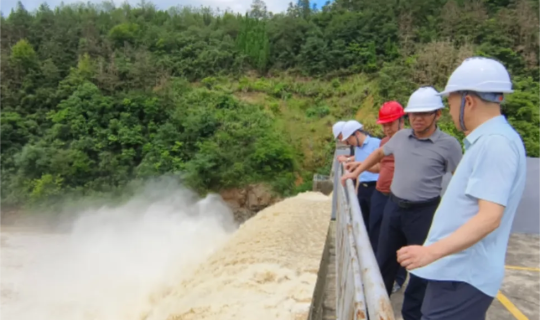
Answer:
(396, 287)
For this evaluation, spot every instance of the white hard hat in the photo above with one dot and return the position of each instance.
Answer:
(349, 128)
(479, 74)
(424, 99)
(336, 128)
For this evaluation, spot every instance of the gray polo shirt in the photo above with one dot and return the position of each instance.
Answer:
(420, 164)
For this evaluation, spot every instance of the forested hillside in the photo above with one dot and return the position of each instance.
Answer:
(96, 96)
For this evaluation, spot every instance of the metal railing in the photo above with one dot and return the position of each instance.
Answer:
(360, 291)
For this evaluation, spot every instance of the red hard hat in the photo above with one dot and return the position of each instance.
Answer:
(390, 111)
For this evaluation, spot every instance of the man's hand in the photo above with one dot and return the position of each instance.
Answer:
(352, 165)
(344, 177)
(342, 158)
(412, 257)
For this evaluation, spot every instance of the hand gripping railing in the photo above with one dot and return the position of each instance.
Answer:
(360, 291)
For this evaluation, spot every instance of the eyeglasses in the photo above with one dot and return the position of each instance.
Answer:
(421, 114)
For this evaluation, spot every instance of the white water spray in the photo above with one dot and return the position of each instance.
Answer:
(115, 262)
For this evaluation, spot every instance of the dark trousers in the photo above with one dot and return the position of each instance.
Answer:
(404, 224)
(365, 191)
(378, 203)
(401, 276)
(453, 300)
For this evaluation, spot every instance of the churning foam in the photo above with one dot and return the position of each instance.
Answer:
(266, 271)
(115, 262)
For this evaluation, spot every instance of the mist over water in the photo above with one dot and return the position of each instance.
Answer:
(115, 263)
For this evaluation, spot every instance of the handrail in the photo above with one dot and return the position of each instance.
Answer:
(350, 302)
(360, 291)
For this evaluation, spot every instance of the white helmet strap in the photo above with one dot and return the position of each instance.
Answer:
(462, 112)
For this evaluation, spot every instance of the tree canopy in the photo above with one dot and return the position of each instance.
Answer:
(94, 96)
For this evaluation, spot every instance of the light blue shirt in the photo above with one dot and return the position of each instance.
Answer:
(492, 169)
(361, 153)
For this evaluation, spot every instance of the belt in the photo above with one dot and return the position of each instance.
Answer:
(406, 204)
(368, 183)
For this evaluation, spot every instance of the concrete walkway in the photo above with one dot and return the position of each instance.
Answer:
(520, 292)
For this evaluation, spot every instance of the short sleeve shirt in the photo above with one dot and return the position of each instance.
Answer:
(493, 169)
(421, 163)
(361, 153)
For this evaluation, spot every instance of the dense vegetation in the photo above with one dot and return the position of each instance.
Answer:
(96, 96)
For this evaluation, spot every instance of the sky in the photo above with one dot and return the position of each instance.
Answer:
(234, 5)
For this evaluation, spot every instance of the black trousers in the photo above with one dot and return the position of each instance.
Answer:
(453, 300)
(401, 276)
(404, 223)
(365, 191)
(378, 203)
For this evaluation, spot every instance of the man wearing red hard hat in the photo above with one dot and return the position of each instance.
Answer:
(391, 117)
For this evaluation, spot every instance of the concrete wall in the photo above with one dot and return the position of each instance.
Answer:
(323, 303)
(527, 218)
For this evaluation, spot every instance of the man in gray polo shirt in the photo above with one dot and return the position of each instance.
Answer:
(423, 154)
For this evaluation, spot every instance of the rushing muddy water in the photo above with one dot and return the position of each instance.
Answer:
(113, 262)
(167, 256)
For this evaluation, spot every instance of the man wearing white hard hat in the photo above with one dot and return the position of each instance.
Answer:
(423, 155)
(353, 134)
(336, 129)
(463, 256)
